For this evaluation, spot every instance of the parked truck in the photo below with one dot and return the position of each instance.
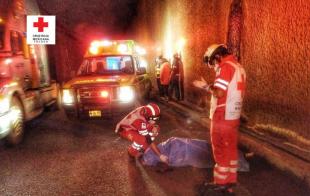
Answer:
(25, 84)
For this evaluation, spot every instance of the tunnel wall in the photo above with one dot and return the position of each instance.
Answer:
(274, 49)
(67, 54)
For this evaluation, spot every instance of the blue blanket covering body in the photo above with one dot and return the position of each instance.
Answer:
(188, 152)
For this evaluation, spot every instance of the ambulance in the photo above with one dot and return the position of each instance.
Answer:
(112, 79)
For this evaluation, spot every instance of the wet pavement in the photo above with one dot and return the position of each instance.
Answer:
(61, 157)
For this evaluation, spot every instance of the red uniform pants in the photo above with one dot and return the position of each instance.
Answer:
(224, 139)
(139, 142)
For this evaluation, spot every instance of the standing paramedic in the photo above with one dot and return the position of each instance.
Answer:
(165, 76)
(140, 127)
(226, 104)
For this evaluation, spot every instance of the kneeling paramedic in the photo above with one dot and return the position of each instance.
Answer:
(139, 127)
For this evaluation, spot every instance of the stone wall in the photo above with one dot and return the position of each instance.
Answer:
(273, 47)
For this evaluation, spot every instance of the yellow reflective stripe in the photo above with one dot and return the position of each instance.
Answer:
(143, 132)
(221, 169)
(220, 176)
(233, 170)
(234, 162)
(136, 146)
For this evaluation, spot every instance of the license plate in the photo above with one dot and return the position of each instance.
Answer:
(94, 113)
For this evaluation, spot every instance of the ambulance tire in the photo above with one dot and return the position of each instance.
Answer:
(16, 135)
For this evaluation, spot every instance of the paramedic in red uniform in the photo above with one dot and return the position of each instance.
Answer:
(139, 127)
(165, 75)
(226, 104)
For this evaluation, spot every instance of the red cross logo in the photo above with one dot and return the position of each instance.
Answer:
(40, 24)
(241, 85)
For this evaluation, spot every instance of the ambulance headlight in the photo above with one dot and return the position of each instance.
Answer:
(126, 93)
(4, 105)
(67, 97)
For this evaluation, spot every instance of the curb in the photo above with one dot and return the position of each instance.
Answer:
(275, 156)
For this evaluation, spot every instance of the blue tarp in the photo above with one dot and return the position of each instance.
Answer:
(188, 152)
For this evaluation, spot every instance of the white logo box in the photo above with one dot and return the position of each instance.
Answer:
(41, 29)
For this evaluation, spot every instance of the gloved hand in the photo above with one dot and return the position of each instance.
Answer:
(199, 83)
(163, 158)
(203, 85)
(208, 87)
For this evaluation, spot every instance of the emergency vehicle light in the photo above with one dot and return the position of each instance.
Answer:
(98, 43)
(126, 94)
(119, 46)
(8, 61)
(95, 45)
(140, 50)
(104, 94)
(4, 105)
(67, 97)
(122, 48)
(94, 50)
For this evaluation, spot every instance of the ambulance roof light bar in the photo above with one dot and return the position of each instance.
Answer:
(121, 46)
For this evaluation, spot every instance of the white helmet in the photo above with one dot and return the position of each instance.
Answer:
(212, 50)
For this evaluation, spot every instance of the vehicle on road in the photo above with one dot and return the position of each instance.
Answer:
(111, 80)
(25, 84)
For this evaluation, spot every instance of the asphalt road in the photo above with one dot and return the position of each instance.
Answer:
(61, 157)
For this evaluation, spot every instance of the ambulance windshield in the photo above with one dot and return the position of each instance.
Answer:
(105, 65)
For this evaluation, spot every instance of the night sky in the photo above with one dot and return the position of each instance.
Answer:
(93, 18)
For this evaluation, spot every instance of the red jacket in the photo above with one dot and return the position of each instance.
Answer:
(165, 72)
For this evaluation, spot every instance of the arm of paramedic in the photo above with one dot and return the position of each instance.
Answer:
(162, 157)
(220, 86)
(218, 93)
(155, 149)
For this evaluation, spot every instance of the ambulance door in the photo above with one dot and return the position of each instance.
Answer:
(140, 74)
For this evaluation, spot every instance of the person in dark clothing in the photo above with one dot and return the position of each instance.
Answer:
(176, 78)
(158, 62)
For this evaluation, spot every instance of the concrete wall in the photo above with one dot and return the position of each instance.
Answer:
(274, 49)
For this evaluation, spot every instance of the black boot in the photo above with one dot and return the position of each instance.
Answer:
(215, 189)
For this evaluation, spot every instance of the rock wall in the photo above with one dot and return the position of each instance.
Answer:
(273, 46)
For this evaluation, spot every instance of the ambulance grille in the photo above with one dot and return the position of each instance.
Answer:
(93, 94)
